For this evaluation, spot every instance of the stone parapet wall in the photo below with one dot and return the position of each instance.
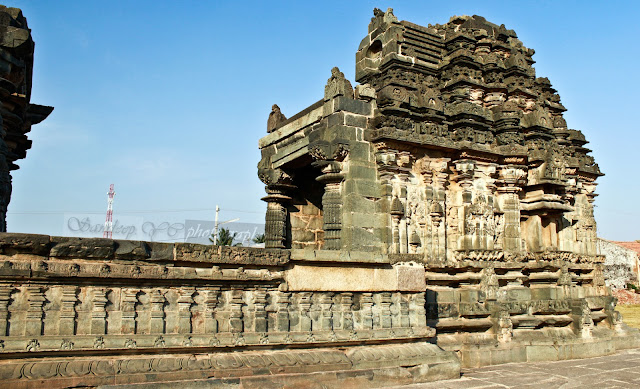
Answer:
(71, 296)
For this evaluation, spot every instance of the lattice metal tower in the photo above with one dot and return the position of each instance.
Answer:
(108, 224)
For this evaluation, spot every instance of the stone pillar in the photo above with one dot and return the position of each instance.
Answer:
(236, 302)
(305, 306)
(465, 169)
(259, 308)
(276, 216)
(419, 317)
(366, 306)
(128, 307)
(156, 319)
(438, 207)
(211, 303)
(5, 295)
(385, 310)
(33, 325)
(397, 213)
(511, 177)
(67, 323)
(98, 312)
(332, 178)
(347, 312)
(503, 326)
(404, 311)
(326, 321)
(282, 315)
(185, 301)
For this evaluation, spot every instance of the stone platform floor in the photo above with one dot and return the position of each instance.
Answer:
(620, 370)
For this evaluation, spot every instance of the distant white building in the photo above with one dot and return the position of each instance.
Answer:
(621, 262)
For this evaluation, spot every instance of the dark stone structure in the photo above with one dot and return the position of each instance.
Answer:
(17, 114)
(453, 159)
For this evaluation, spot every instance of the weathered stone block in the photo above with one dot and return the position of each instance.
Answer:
(360, 151)
(410, 278)
(132, 249)
(355, 120)
(13, 243)
(350, 105)
(161, 251)
(64, 247)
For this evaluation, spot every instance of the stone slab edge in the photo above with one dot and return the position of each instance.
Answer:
(128, 250)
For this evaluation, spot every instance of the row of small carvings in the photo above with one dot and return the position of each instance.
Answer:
(439, 310)
(500, 258)
(113, 249)
(500, 276)
(242, 363)
(205, 343)
(70, 310)
(20, 266)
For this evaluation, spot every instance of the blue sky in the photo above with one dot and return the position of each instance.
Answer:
(167, 100)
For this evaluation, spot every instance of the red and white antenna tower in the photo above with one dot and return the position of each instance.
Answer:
(108, 224)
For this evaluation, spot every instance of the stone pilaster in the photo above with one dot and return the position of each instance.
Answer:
(236, 302)
(282, 313)
(403, 310)
(128, 307)
(332, 178)
(366, 307)
(259, 310)
(5, 296)
(277, 214)
(157, 315)
(304, 304)
(211, 303)
(508, 187)
(326, 302)
(385, 310)
(438, 208)
(98, 311)
(33, 325)
(185, 301)
(419, 317)
(67, 323)
(346, 309)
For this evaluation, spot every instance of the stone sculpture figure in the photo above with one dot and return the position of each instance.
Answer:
(275, 118)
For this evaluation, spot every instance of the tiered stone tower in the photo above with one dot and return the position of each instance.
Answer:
(451, 145)
(453, 159)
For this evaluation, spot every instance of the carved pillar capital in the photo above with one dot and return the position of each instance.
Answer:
(278, 198)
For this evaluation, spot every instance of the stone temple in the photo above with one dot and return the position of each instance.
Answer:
(438, 215)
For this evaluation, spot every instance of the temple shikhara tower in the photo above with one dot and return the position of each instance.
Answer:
(450, 146)
(437, 215)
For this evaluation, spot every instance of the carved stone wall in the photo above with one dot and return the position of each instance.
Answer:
(450, 143)
(451, 169)
(65, 297)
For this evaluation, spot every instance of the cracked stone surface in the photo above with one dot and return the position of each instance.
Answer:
(620, 370)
